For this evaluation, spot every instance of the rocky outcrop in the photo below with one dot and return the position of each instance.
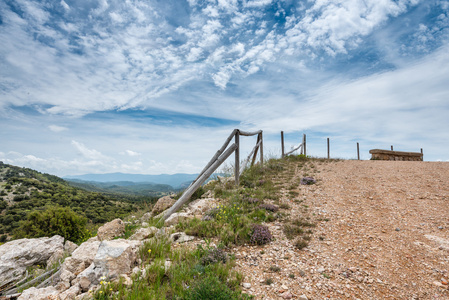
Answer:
(112, 259)
(16, 256)
(39, 294)
(144, 233)
(81, 258)
(200, 206)
(110, 230)
(177, 217)
(162, 204)
(180, 237)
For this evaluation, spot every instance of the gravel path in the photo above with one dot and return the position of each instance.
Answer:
(382, 232)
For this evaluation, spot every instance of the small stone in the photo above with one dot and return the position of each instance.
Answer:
(398, 229)
(444, 281)
(303, 297)
(320, 270)
(440, 227)
(284, 287)
(287, 295)
(246, 285)
(437, 283)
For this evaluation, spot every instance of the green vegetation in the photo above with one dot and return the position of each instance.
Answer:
(204, 273)
(54, 220)
(28, 196)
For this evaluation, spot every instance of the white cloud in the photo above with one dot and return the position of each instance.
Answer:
(88, 153)
(65, 5)
(132, 153)
(56, 128)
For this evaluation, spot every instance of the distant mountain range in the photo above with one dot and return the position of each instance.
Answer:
(177, 181)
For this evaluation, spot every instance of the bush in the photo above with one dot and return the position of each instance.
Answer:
(54, 221)
(213, 256)
(261, 235)
(308, 181)
(269, 207)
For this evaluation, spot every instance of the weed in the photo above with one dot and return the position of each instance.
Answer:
(274, 269)
(284, 206)
(268, 281)
(291, 276)
(300, 244)
(292, 231)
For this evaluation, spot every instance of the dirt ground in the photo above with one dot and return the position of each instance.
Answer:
(382, 232)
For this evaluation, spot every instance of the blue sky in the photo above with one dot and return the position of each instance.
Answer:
(155, 87)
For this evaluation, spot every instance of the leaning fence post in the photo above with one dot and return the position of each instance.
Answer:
(282, 143)
(358, 152)
(261, 148)
(237, 158)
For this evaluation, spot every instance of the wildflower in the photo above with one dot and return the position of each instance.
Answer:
(101, 292)
(149, 251)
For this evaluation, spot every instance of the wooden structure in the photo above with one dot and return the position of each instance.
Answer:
(216, 162)
(301, 145)
(378, 154)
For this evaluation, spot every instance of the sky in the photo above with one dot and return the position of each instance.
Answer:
(156, 86)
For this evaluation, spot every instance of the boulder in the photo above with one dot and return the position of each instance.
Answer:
(69, 247)
(143, 233)
(39, 294)
(177, 217)
(17, 255)
(110, 230)
(200, 206)
(162, 204)
(117, 257)
(81, 258)
(146, 217)
(71, 293)
(180, 237)
(112, 259)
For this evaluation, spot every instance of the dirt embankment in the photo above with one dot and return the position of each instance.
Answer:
(382, 233)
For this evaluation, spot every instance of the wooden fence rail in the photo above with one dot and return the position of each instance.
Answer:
(220, 156)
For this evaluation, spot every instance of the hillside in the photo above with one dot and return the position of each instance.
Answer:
(175, 180)
(295, 228)
(23, 191)
(124, 188)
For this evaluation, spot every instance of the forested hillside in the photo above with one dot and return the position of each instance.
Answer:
(26, 194)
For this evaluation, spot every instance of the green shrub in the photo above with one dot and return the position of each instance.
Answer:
(54, 221)
(211, 287)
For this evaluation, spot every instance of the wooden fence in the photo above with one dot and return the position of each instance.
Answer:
(220, 156)
(302, 145)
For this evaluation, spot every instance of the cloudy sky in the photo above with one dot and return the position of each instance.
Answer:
(156, 86)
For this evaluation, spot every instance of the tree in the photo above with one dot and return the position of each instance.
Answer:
(54, 221)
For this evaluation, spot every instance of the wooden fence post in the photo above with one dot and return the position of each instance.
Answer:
(304, 144)
(282, 143)
(261, 148)
(237, 158)
(391, 147)
(358, 152)
(328, 149)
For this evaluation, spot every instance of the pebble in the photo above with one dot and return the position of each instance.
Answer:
(303, 297)
(247, 285)
(397, 229)
(287, 295)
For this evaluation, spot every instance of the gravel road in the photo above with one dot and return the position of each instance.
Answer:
(382, 232)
